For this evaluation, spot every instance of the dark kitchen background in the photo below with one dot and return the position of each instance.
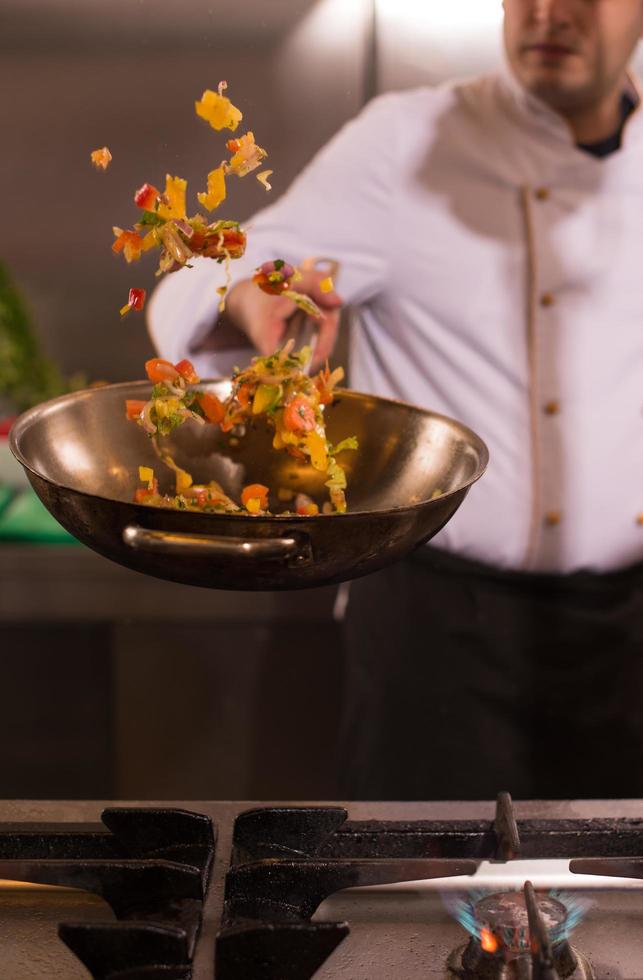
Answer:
(115, 685)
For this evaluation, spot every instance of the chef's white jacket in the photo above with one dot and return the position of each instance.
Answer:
(497, 271)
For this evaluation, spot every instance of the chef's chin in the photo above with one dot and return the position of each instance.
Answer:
(561, 89)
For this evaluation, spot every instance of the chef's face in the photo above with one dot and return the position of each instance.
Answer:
(571, 53)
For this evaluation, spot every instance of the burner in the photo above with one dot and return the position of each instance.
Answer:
(261, 916)
(501, 946)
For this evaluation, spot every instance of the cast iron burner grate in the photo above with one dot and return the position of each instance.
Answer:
(287, 861)
(151, 866)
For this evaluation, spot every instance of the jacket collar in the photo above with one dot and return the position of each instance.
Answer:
(533, 113)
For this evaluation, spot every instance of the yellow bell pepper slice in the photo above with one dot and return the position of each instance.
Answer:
(218, 111)
(316, 447)
(183, 481)
(150, 240)
(146, 475)
(175, 189)
(101, 158)
(216, 192)
(266, 397)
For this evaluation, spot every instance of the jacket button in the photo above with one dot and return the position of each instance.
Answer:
(541, 194)
(551, 408)
(546, 299)
(552, 518)
(639, 520)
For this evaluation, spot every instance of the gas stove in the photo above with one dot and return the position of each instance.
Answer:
(369, 891)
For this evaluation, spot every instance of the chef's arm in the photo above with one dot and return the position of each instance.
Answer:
(340, 206)
(264, 319)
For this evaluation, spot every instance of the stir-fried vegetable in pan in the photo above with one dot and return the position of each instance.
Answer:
(275, 387)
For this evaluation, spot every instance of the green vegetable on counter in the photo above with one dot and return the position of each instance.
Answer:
(27, 375)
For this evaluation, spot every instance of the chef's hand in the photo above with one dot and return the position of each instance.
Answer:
(263, 318)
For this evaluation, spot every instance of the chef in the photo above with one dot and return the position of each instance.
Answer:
(490, 238)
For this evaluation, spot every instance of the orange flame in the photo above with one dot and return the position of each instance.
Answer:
(488, 941)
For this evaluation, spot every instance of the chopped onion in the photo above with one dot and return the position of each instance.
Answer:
(188, 414)
(146, 420)
(184, 227)
(175, 245)
(174, 389)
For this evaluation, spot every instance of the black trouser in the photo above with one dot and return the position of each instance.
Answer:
(461, 681)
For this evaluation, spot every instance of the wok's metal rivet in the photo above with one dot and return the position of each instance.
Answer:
(553, 517)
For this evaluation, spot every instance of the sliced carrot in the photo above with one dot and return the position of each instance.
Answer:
(299, 415)
(243, 395)
(255, 491)
(308, 510)
(159, 370)
(186, 370)
(212, 407)
(133, 408)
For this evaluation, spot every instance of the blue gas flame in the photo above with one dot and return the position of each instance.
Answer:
(462, 906)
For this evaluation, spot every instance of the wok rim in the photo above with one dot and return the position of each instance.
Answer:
(32, 415)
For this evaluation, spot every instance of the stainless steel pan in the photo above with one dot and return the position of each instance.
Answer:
(82, 456)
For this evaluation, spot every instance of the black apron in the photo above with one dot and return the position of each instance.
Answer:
(461, 680)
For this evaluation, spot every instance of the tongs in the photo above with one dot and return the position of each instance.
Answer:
(302, 328)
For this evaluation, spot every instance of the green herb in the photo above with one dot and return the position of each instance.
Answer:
(151, 218)
(350, 443)
(337, 476)
(168, 423)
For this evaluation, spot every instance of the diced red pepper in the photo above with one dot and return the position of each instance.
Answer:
(146, 197)
(216, 244)
(143, 494)
(135, 301)
(137, 298)
(186, 370)
(159, 370)
(202, 497)
(212, 407)
(234, 241)
(133, 408)
(273, 287)
(299, 415)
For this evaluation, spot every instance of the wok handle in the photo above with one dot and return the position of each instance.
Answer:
(209, 545)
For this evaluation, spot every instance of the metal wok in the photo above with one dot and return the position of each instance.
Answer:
(82, 457)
